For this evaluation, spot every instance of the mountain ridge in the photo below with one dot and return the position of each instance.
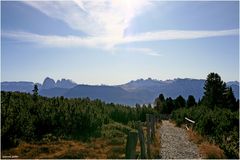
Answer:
(135, 91)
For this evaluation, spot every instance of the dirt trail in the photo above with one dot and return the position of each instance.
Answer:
(175, 143)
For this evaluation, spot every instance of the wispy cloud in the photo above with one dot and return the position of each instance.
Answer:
(108, 42)
(143, 51)
(105, 24)
(105, 18)
(179, 35)
(56, 41)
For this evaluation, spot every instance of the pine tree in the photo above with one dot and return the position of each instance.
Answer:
(191, 101)
(35, 93)
(230, 99)
(180, 102)
(214, 91)
(159, 103)
(168, 106)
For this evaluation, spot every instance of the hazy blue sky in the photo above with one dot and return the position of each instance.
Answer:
(113, 42)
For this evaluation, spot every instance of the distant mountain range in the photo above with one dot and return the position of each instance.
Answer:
(139, 91)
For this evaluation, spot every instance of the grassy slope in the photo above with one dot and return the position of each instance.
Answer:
(111, 145)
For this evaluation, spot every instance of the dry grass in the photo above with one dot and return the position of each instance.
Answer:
(194, 137)
(97, 148)
(48, 150)
(206, 149)
(211, 151)
(173, 122)
(112, 147)
(138, 149)
(155, 146)
(157, 143)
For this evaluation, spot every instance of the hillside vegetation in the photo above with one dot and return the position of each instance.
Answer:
(216, 114)
(27, 117)
(32, 118)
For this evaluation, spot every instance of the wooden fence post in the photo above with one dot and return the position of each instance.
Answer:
(142, 141)
(152, 128)
(148, 136)
(131, 145)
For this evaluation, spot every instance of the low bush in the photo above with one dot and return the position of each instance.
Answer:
(220, 125)
(28, 118)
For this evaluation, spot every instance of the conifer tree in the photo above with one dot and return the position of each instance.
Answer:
(35, 92)
(191, 101)
(230, 99)
(214, 91)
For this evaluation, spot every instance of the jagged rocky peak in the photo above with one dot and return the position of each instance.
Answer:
(65, 83)
(149, 79)
(48, 83)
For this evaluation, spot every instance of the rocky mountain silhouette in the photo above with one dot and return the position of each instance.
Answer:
(139, 91)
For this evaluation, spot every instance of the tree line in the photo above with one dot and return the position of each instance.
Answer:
(216, 114)
(216, 94)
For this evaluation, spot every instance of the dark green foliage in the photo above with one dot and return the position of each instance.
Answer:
(191, 101)
(219, 125)
(216, 115)
(164, 106)
(168, 106)
(161, 97)
(24, 118)
(180, 102)
(217, 94)
(149, 105)
(35, 92)
(159, 103)
(214, 91)
(230, 100)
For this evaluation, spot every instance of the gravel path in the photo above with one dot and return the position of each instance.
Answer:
(175, 143)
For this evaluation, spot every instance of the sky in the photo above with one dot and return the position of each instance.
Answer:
(113, 42)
